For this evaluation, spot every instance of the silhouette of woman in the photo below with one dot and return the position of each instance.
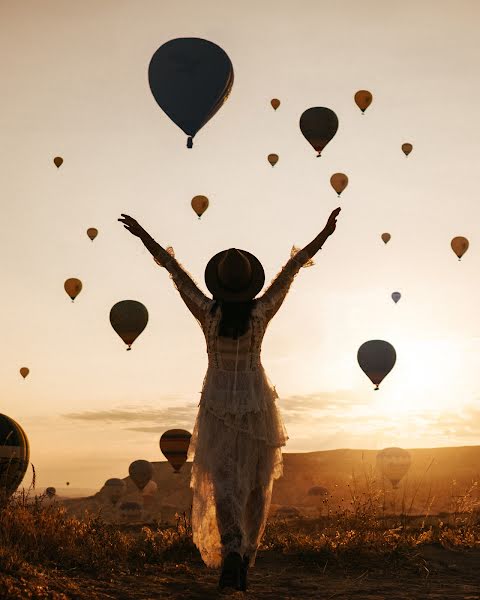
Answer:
(238, 434)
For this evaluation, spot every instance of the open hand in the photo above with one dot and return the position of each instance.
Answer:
(132, 226)
(332, 222)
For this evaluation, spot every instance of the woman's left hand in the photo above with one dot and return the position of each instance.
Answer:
(332, 222)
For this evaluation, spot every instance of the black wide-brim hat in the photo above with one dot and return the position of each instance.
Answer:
(221, 293)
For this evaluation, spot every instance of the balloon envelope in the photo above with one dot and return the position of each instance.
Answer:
(318, 125)
(363, 99)
(50, 492)
(407, 148)
(376, 359)
(58, 161)
(273, 159)
(190, 79)
(128, 318)
(174, 445)
(14, 455)
(459, 245)
(73, 287)
(200, 205)
(275, 103)
(339, 182)
(141, 472)
(24, 371)
(386, 237)
(396, 296)
(393, 463)
(92, 233)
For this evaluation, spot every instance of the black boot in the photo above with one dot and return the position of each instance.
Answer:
(231, 571)
(243, 573)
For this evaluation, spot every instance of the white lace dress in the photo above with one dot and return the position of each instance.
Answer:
(238, 434)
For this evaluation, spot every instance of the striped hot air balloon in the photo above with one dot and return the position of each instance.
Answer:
(14, 456)
(174, 445)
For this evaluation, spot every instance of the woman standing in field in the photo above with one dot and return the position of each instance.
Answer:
(238, 435)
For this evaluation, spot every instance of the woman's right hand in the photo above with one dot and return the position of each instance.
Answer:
(133, 226)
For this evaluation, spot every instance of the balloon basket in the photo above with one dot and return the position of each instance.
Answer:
(129, 348)
(190, 142)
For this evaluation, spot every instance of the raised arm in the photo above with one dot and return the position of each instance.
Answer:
(273, 297)
(191, 294)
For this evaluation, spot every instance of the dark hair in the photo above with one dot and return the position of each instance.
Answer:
(235, 317)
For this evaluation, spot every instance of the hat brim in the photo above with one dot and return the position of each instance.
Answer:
(221, 293)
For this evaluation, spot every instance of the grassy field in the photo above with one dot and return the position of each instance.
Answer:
(355, 552)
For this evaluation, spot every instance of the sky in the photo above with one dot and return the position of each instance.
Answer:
(74, 84)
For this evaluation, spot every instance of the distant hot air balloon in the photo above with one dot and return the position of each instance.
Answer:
(114, 489)
(68, 483)
(272, 159)
(92, 233)
(275, 103)
(24, 371)
(200, 205)
(131, 511)
(129, 318)
(174, 444)
(140, 472)
(339, 182)
(318, 125)
(386, 237)
(58, 161)
(190, 79)
(376, 359)
(393, 463)
(407, 148)
(459, 246)
(363, 99)
(317, 490)
(14, 456)
(73, 287)
(396, 296)
(50, 492)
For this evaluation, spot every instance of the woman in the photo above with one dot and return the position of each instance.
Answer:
(238, 434)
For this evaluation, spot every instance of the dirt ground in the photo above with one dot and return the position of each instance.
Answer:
(436, 573)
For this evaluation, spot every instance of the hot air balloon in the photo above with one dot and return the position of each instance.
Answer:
(68, 483)
(200, 205)
(407, 148)
(376, 359)
(24, 371)
(50, 492)
(393, 463)
(92, 233)
(396, 296)
(272, 159)
(58, 161)
(174, 444)
(386, 237)
(363, 99)
(73, 287)
(319, 125)
(14, 456)
(275, 103)
(317, 490)
(190, 79)
(131, 511)
(459, 246)
(129, 318)
(114, 489)
(339, 182)
(141, 472)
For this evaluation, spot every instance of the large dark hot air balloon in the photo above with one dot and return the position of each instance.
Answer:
(393, 463)
(319, 125)
(376, 359)
(141, 472)
(129, 318)
(14, 456)
(174, 445)
(190, 78)
(114, 489)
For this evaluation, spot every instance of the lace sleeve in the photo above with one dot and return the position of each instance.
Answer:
(191, 294)
(275, 294)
